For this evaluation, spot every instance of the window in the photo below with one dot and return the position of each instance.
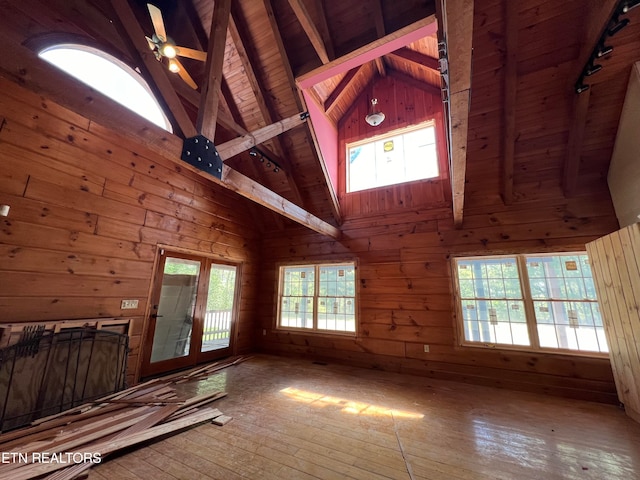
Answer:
(318, 297)
(109, 76)
(530, 301)
(401, 156)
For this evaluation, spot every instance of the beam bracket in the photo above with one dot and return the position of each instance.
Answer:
(304, 115)
(200, 152)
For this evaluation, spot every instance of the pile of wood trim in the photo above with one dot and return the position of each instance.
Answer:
(71, 442)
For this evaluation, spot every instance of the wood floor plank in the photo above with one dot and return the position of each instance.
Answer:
(296, 420)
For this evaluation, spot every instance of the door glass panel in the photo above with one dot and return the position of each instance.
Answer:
(172, 337)
(217, 322)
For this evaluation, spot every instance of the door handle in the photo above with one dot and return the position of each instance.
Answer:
(155, 315)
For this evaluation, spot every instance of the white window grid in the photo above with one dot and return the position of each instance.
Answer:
(324, 300)
(544, 309)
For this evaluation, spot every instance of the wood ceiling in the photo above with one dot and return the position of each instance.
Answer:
(529, 134)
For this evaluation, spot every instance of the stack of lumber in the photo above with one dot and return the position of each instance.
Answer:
(64, 445)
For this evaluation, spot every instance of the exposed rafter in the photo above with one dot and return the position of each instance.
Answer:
(458, 32)
(133, 30)
(25, 68)
(378, 18)
(244, 143)
(304, 17)
(579, 111)
(210, 89)
(246, 55)
(409, 80)
(382, 46)
(311, 136)
(597, 14)
(334, 97)
(417, 58)
(249, 71)
(510, 9)
(323, 26)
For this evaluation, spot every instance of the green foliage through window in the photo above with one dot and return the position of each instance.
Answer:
(318, 297)
(536, 301)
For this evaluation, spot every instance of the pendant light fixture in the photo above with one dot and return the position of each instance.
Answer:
(375, 117)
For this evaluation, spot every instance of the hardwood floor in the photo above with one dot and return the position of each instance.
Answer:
(293, 419)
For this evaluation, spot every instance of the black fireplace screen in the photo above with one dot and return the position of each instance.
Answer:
(46, 373)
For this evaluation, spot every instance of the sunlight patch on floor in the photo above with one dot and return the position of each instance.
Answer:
(348, 406)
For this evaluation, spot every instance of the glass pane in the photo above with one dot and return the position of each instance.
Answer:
(570, 325)
(296, 312)
(298, 281)
(489, 278)
(565, 303)
(399, 158)
(172, 336)
(336, 298)
(298, 289)
(109, 76)
(561, 277)
(216, 332)
(495, 321)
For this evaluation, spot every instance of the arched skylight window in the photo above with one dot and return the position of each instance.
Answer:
(109, 76)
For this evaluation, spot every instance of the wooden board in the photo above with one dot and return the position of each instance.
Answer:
(616, 267)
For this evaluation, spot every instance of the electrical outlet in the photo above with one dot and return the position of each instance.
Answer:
(426, 348)
(129, 304)
(264, 331)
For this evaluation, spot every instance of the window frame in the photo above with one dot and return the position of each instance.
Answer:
(392, 133)
(315, 330)
(529, 308)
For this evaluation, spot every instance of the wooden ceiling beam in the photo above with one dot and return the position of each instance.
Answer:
(300, 102)
(340, 89)
(409, 80)
(244, 56)
(309, 27)
(210, 90)
(227, 121)
(510, 10)
(381, 31)
(571, 170)
(458, 34)
(598, 13)
(380, 66)
(417, 58)
(247, 57)
(244, 143)
(323, 26)
(252, 190)
(378, 18)
(158, 72)
(382, 46)
(24, 68)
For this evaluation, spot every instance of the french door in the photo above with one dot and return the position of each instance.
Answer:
(192, 319)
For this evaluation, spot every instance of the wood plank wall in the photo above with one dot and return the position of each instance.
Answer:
(405, 294)
(88, 209)
(616, 267)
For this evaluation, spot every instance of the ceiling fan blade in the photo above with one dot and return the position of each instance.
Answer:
(158, 23)
(191, 53)
(151, 43)
(184, 75)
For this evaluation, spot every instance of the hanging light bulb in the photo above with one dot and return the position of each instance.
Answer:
(376, 117)
(168, 50)
(173, 66)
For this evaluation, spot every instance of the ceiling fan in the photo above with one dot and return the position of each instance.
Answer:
(164, 47)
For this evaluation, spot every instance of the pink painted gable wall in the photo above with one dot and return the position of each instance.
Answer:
(327, 136)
